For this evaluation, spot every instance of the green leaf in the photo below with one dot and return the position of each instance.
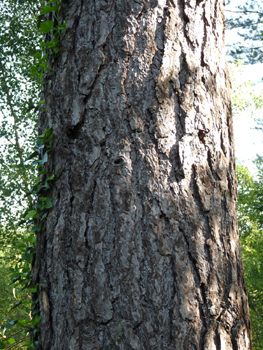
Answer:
(32, 155)
(31, 214)
(34, 290)
(36, 228)
(48, 132)
(44, 159)
(37, 55)
(20, 245)
(46, 26)
(52, 177)
(11, 341)
(48, 9)
(42, 65)
(31, 239)
(49, 203)
(2, 345)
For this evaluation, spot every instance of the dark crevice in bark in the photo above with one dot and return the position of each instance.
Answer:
(230, 127)
(227, 287)
(142, 12)
(215, 17)
(210, 163)
(222, 143)
(184, 16)
(137, 325)
(202, 136)
(233, 337)
(192, 259)
(217, 339)
(196, 194)
(75, 131)
(177, 172)
(203, 81)
(171, 2)
(209, 160)
(203, 63)
(229, 180)
(203, 316)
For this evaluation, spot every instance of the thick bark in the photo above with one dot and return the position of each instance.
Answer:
(141, 248)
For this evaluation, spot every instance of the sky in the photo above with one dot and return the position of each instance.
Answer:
(248, 139)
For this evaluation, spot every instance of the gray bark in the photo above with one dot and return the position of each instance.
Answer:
(141, 249)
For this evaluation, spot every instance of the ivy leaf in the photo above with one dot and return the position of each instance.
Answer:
(49, 203)
(31, 214)
(48, 9)
(34, 290)
(32, 155)
(44, 160)
(46, 26)
(37, 55)
(20, 245)
(36, 228)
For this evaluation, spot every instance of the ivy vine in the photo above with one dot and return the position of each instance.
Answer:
(37, 212)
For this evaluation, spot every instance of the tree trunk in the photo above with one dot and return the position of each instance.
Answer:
(141, 248)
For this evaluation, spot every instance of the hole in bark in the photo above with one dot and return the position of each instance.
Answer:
(119, 161)
(102, 143)
(74, 132)
(201, 135)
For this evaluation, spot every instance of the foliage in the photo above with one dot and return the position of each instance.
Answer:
(17, 107)
(18, 114)
(250, 218)
(21, 270)
(10, 299)
(18, 110)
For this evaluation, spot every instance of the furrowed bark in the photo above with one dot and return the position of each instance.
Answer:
(141, 248)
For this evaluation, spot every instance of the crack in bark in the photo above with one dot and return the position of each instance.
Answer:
(217, 338)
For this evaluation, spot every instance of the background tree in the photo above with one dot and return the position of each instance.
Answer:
(247, 103)
(247, 20)
(141, 247)
(250, 219)
(19, 96)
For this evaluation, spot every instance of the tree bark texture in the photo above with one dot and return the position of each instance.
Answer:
(141, 248)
